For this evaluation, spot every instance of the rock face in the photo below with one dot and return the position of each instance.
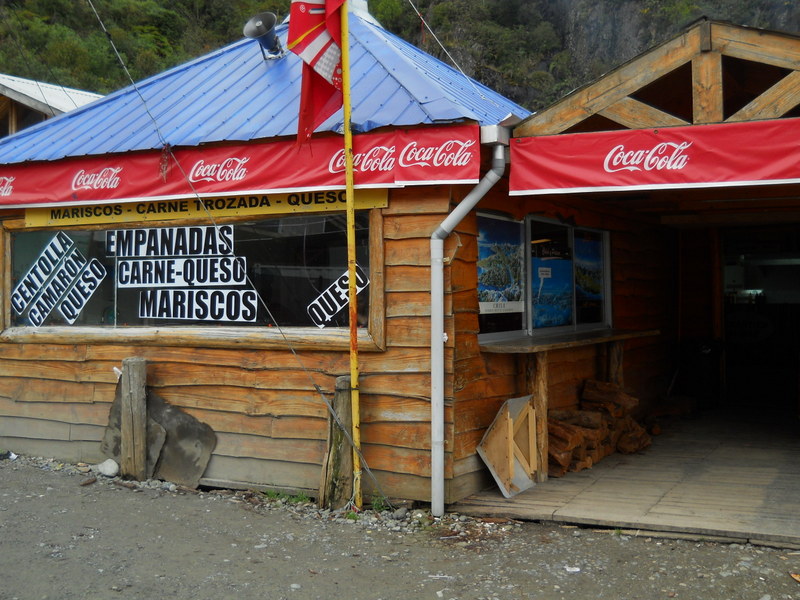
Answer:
(601, 34)
(536, 51)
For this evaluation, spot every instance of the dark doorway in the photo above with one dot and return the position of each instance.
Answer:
(762, 319)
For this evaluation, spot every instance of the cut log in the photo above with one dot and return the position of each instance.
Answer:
(562, 458)
(634, 437)
(566, 435)
(584, 418)
(594, 390)
(580, 465)
(604, 406)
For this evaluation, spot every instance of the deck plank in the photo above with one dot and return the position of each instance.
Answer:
(704, 476)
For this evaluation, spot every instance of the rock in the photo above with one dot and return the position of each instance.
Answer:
(400, 513)
(109, 468)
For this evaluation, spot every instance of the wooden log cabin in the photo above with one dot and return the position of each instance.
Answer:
(181, 222)
(685, 158)
(545, 283)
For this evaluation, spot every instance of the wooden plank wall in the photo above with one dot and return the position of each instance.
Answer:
(270, 422)
(642, 274)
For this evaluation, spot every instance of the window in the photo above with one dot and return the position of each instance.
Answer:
(565, 286)
(286, 270)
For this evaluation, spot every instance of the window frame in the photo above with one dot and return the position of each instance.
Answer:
(370, 338)
(523, 324)
(528, 318)
(574, 327)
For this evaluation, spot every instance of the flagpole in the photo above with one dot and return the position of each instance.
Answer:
(351, 255)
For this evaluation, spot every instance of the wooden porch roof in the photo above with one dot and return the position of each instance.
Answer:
(713, 72)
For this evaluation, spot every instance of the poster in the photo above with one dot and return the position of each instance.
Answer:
(589, 283)
(500, 266)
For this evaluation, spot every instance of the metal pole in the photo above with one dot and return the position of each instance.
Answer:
(351, 253)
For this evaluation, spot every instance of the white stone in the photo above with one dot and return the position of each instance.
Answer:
(109, 468)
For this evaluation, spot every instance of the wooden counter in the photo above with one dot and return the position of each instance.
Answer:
(533, 353)
(541, 343)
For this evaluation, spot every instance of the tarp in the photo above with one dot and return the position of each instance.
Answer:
(382, 160)
(728, 154)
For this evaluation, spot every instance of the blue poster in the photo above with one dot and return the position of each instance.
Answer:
(500, 266)
(551, 292)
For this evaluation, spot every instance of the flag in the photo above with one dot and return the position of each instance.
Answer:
(315, 35)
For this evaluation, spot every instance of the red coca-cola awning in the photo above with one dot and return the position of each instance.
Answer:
(387, 159)
(729, 154)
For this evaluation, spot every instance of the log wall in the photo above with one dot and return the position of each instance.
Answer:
(270, 422)
(642, 290)
(261, 402)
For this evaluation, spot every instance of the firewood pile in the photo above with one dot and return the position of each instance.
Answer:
(604, 424)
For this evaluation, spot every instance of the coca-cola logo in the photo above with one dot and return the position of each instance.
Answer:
(663, 156)
(105, 179)
(377, 159)
(5, 185)
(230, 169)
(452, 153)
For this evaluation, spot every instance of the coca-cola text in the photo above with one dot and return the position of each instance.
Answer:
(452, 153)
(105, 179)
(230, 169)
(5, 185)
(663, 156)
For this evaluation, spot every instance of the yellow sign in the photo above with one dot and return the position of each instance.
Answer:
(198, 208)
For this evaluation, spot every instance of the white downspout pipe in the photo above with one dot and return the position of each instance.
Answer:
(438, 335)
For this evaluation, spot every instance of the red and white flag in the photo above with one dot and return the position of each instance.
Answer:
(315, 35)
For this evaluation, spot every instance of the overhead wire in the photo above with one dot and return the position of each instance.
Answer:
(450, 56)
(168, 149)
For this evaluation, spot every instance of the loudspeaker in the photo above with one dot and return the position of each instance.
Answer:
(262, 28)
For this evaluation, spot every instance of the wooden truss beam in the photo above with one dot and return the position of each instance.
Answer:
(774, 103)
(638, 115)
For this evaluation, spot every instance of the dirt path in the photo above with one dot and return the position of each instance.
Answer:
(63, 540)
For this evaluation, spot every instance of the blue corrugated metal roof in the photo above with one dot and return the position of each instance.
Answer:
(233, 94)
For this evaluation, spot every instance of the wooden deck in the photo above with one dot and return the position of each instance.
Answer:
(707, 476)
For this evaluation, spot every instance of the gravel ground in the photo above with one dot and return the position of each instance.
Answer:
(67, 532)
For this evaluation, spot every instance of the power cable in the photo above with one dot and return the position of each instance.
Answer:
(450, 56)
(168, 149)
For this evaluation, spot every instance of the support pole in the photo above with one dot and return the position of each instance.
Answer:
(351, 253)
(133, 418)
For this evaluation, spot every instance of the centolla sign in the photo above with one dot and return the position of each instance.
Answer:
(729, 154)
(385, 159)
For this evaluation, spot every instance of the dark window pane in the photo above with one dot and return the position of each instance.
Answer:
(589, 276)
(289, 270)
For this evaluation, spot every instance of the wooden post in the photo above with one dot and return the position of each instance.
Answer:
(538, 378)
(336, 481)
(133, 418)
(614, 372)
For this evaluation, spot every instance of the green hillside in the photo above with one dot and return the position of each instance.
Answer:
(533, 51)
